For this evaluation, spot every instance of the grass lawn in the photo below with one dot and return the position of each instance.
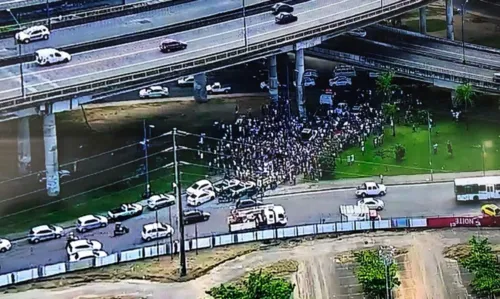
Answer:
(467, 152)
(433, 25)
(96, 202)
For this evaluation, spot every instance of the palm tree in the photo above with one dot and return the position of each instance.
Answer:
(389, 110)
(464, 95)
(385, 86)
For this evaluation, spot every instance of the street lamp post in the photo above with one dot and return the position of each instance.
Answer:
(387, 257)
(146, 159)
(19, 54)
(430, 143)
(463, 36)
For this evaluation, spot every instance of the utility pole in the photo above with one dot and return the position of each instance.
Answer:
(430, 143)
(245, 23)
(19, 53)
(182, 256)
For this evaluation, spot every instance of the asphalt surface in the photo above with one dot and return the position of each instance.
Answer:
(118, 60)
(126, 25)
(401, 201)
(368, 48)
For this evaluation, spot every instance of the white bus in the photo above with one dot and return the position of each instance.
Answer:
(480, 188)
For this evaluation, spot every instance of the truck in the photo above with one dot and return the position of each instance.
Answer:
(125, 211)
(218, 88)
(257, 217)
(243, 188)
(358, 213)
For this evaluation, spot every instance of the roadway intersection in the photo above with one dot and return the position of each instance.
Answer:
(401, 201)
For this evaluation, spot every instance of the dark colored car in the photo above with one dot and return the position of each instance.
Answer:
(171, 45)
(285, 18)
(194, 216)
(281, 7)
(247, 203)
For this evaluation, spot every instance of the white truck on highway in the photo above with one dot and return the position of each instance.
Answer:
(357, 213)
(125, 211)
(256, 218)
(218, 88)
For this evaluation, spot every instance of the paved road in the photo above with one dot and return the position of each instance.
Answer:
(137, 56)
(127, 24)
(413, 200)
(368, 48)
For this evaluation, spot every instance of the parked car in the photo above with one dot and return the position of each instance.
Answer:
(171, 45)
(200, 197)
(372, 203)
(125, 211)
(33, 33)
(87, 255)
(285, 18)
(200, 185)
(48, 56)
(340, 81)
(371, 189)
(83, 245)
(490, 210)
(154, 92)
(223, 185)
(63, 174)
(159, 201)
(357, 32)
(5, 245)
(186, 81)
(90, 222)
(218, 88)
(45, 232)
(156, 230)
(247, 203)
(281, 7)
(195, 216)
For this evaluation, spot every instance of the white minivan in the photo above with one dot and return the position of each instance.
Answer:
(50, 56)
(156, 231)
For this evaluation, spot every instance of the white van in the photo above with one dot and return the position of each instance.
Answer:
(50, 56)
(156, 231)
(496, 77)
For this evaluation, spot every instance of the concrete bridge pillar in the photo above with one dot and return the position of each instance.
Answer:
(200, 88)
(273, 78)
(23, 145)
(299, 81)
(423, 20)
(450, 34)
(454, 102)
(51, 156)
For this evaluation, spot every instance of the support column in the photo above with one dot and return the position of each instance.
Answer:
(200, 88)
(299, 81)
(423, 20)
(454, 99)
(23, 145)
(450, 34)
(273, 78)
(51, 157)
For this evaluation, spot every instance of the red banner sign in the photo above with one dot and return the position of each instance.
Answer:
(476, 221)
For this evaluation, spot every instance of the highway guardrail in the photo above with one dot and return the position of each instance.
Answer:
(275, 44)
(206, 242)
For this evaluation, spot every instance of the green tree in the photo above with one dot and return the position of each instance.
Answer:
(399, 152)
(464, 96)
(385, 87)
(390, 111)
(258, 286)
(371, 273)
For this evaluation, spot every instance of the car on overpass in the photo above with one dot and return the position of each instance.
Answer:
(154, 92)
(357, 32)
(281, 7)
(172, 45)
(186, 81)
(33, 33)
(285, 18)
(5, 245)
(48, 56)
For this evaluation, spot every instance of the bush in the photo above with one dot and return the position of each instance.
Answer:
(399, 152)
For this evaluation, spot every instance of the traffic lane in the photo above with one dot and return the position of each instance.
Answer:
(128, 24)
(115, 62)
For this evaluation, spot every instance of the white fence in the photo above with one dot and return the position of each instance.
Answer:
(210, 242)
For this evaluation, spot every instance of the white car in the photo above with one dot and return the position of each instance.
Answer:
(45, 232)
(63, 174)
(186, 81)
(48, 56)
(89, 222)
(156, 231)
(87, 255)
(357, 32)
(308, 82)
(5, 245)
(200, 185)
(33, 33)
(371, 189)
(158, 201)
(340, 81)
(154, 92)
(83, 245)
(372, 203)
(200, 197)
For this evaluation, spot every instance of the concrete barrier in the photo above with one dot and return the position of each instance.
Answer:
(265, 234)
(400, 222)
(418, 222)
(344, 226)
(223, 240)
(382, 224)
(25, 275)
(80, 265)
(202, 243)
(326, 228)
(51, 270)
(131, 255)
(246, 237)
(306, 230)
(363, 225)
(106, 260)
(287, 232)
(5, 280)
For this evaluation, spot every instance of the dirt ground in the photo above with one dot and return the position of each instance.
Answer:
(323, 271)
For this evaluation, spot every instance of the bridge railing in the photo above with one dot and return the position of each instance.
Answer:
(274, 43)
(212, 241)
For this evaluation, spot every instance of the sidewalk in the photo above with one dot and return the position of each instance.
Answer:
(388, 180)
